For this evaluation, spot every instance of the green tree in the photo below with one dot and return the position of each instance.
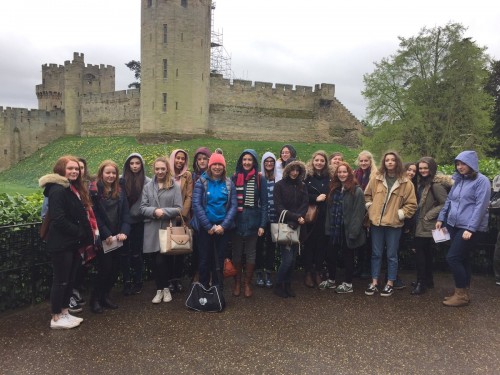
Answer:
(135, 66)
(493, 88)
(429, 96)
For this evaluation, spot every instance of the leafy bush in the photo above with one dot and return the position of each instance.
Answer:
(20, 209)
(489, 167)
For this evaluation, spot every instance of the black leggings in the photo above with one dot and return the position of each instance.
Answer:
(65, 264)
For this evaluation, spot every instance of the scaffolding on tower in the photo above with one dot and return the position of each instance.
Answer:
(220, 60)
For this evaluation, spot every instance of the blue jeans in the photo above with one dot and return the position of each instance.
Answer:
(208, 246)
(388, 237)
(458, 257)
(288, 257)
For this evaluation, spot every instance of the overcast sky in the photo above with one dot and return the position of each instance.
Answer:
(280, 41)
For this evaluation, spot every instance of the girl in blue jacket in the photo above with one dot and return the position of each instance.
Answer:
(466, 214)
(214, 208)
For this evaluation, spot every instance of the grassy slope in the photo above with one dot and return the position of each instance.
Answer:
(23, 177)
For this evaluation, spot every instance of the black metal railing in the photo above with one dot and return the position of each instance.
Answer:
(26, 269)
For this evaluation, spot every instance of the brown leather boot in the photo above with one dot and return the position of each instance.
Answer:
(317, 278)
(249, 268)
(308, 280)
(460, 298)
(237, 280)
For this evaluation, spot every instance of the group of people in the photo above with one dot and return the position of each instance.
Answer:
(358, 215)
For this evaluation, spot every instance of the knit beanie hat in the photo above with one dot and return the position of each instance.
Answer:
(216, 159)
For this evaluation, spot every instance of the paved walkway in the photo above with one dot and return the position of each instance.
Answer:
(318, 332)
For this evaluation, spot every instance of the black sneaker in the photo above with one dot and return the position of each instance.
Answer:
(399, 284)
(78, 297)
(387, 291)
(74, 307)
(127, 289)
(136, 289)
(371, 290)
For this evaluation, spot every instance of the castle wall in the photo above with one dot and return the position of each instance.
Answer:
(279, 113)
(24, 131)
(114, 113)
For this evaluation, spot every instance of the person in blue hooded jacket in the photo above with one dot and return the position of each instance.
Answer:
(251, 217)
(466, 215)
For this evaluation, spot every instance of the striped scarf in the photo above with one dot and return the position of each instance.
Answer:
(245, 197)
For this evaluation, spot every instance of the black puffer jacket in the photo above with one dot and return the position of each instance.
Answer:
(69, 227)
(291, 195)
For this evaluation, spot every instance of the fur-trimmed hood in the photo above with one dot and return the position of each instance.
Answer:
(444, 180)
(294, 164)
(53, 178)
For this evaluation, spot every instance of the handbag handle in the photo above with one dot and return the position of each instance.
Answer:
(182, 219)
(282, 216)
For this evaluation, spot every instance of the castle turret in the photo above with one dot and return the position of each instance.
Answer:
(175, 65)
(73, 90)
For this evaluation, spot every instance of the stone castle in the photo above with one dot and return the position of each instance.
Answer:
(179, 96)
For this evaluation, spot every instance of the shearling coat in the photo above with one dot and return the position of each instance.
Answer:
(185, 180)
(390, 208)
(169, 200)
(69, 228)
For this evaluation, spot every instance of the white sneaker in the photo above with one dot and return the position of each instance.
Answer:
(64, 322)
(159, 296)
(167, 297)
(75, 318)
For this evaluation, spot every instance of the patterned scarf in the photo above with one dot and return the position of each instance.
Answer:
(336, 216)
(245, 197)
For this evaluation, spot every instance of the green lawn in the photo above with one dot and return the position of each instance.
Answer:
(23, 177)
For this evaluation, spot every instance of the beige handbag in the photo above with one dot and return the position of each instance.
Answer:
(176, 240)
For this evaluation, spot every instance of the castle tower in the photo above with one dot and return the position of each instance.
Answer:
(175, 65)
(73, 91)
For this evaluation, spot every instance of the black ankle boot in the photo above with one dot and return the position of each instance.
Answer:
(418, 289)
(288, 290)
(95, 306)
(108, 303)
(280, 291)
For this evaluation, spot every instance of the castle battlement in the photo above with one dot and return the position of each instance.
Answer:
(324, 90)
(115, 95)
(26, 113)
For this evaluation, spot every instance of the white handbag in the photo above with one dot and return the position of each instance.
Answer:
(176, 240)
(283, 234)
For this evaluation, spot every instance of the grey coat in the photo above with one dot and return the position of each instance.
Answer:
(169, 200)
(353, 209)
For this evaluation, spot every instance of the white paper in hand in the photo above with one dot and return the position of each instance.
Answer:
(115, 244)
(440, 235)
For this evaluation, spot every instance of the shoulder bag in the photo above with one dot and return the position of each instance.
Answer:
(283, 234)
(312, 213)
(176, 240)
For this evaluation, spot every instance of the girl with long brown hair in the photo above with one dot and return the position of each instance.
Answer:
(344, 223)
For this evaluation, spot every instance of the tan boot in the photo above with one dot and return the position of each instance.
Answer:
(249, 268)
(237, 280)
(308, 281)
(460, 298)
